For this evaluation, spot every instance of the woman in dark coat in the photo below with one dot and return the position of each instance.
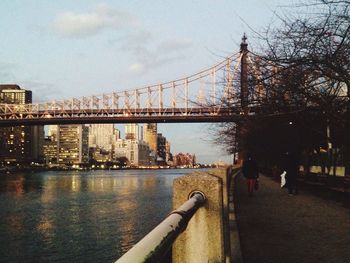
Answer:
(291, 166)
(250, 172)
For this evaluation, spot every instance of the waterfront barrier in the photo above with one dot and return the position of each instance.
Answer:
(199, 230)
(156, 244)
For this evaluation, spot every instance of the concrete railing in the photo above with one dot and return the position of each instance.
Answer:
(207, 237)
(156, 244)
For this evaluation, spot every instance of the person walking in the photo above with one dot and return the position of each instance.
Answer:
(250, 172)
(291, 166)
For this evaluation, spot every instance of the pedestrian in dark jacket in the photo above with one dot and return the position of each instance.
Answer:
(250, 172)
(291, 166)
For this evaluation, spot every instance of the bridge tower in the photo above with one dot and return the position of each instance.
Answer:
(244, 74)
(241, 126)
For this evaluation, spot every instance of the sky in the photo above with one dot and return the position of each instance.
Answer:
(64, 49)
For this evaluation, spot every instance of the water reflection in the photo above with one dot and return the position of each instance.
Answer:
(80, 216)
(15, 222)
(45, 228)
(14, 187)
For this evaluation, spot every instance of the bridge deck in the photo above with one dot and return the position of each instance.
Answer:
(311, 227)
(170, 115)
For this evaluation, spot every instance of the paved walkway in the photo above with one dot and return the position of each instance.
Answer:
(275, 227)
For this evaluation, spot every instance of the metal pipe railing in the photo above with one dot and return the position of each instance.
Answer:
(156, 243)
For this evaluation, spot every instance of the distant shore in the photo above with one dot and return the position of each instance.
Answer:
(13, 169)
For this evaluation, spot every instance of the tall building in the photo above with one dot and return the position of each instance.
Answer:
(52, 132)
(50, 151)
(141, 133)
(161, 147)
(100, 136)
(15, 145)
(120, 148)
(169, 156)
(13, 94)
(150, 136)
(115, 138)
(20, 144)
(72, 144)
(37, 143)
(137, 152)
(116, 134)
(132, 131)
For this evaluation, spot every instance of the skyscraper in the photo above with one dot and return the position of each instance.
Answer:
(50, 151)
(169, 156)
(13, 94)
(141, 133)
(132, 131)
(136, 152)
(100, 136)
(72, 141)
(150, 136)
(37, 143)
(52, 132)
(18, 144)
(116, 134)
(161, 147)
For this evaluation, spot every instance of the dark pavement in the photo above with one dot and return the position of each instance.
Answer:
(276, 227)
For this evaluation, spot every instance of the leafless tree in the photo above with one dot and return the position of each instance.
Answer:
(314, 49)
(303, 68)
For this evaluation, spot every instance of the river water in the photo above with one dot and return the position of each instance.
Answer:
(76, 216)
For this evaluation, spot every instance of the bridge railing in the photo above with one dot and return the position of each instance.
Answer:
(203, 210)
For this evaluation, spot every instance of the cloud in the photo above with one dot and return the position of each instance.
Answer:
(137, 38)
(149, 57)
(6, 72)
(137, 68)
(136, 42)
(102, 17)
(42, 92)
(174, 45)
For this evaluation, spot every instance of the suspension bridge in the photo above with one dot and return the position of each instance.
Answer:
(217, 94)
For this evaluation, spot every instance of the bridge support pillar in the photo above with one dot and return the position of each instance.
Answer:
(244, 75)
(203, 239)
(241, 126)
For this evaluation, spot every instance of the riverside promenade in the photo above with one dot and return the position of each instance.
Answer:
(275, 227)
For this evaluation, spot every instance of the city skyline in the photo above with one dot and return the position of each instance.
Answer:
(89, 47)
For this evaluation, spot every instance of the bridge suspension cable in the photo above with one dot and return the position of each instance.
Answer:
(202, 93)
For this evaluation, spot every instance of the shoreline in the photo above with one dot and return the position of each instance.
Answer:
(9, 170)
